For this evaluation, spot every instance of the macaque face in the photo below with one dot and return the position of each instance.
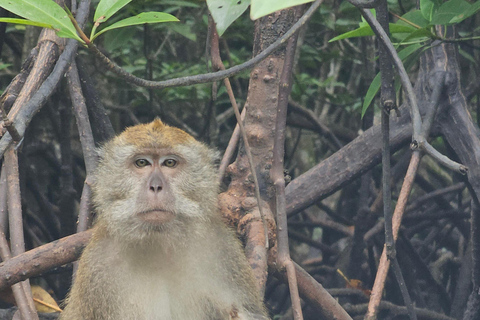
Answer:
(156, 171)
(154, 179)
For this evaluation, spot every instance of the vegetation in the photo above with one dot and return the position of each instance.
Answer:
(353, 103)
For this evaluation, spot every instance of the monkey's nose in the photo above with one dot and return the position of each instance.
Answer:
(155, 188)
(155, 183)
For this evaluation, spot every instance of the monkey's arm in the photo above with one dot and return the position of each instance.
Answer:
(94, 294)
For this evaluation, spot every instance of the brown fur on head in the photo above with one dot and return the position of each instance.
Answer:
(153, 135)
(120, 190)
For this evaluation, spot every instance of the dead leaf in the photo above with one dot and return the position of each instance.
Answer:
(355, 284)
(44, 301)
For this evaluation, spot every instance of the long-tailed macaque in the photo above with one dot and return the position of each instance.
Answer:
(160, 250)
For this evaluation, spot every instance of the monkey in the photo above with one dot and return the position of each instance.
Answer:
(160, 249)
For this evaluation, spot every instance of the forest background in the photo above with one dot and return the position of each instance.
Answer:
(317, 135)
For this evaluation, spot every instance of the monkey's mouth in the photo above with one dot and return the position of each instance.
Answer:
(156, 216)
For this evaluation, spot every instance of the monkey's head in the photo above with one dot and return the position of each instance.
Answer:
(154, 178)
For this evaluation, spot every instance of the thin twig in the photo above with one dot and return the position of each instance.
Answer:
(232, 145)
(3, 199)
(365, 3)
(295, 106)
(248, 151)
(48, 305)
(217, 64)
(277, 175)
(388, 103)
(85, 206)
(442, 159)
(18, 293)
(387, 193)
(439, 81)
(384, 263)
(14, 203)
(396, 310)
(8, 124)
(403, 288)
(407, 85)
(83, 122)
(17, 239)
(388, 99)
(438, 193)
(87, 141)
(472, 311)
(316, 295)
(475, 238)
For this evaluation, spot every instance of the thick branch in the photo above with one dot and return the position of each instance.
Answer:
(343, 166)
(316, 295)
(41, 259)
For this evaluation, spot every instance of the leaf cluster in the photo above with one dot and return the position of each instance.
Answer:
(225, 12)
(48, 14)
(414, 30)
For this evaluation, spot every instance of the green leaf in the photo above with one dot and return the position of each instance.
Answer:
(261, 8)
(450, 10)
(142, 18)
(398, 28)
(107, 8)
(415, 17)
(367, 31)
(467, 13)
(27, 22)
(224, 12)
(180, 3)
(467, 56)
(118, 39)
(363, 22)
(359, 32)
(427, 7)
(184, 30)
(4, 65)
(371, 93)
(409, 50)
(45, 12)
(419, 34)
(376, 82)
(398, 85)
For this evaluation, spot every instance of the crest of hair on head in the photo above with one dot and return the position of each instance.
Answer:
(154, 134)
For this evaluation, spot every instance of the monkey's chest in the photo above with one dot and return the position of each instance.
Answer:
(166, 294)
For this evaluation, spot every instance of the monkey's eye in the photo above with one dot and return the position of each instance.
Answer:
(170, 163)
(140, 163)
